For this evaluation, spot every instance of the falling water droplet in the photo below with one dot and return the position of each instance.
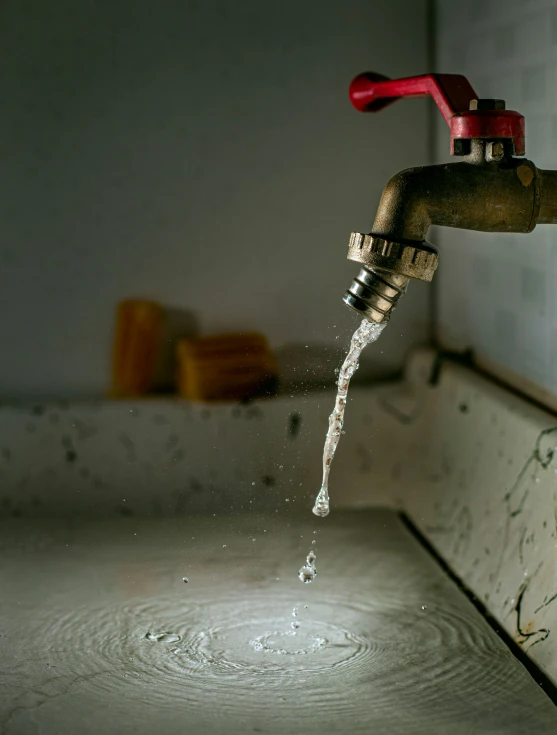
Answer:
(307, 574)
(185, 579)
(321, 507)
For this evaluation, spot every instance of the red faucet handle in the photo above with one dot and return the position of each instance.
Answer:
(452, 93)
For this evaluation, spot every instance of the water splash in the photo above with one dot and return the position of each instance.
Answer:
(286, 644)
(366, 333)
(164, 637)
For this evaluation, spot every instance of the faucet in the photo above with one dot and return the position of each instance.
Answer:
(491, 189)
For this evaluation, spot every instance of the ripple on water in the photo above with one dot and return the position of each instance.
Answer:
(206, 656)
(185, 655)
(289, 642)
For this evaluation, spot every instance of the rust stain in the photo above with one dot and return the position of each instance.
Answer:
(529, 628)
(525, 174)
(526, 633)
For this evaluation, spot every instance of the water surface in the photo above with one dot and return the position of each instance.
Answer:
(99, 633)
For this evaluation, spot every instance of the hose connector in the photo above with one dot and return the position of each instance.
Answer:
(374, 294)
(387, 268)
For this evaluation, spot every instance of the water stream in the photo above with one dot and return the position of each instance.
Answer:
(366, 333)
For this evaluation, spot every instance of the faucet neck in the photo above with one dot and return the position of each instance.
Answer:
(484, 151)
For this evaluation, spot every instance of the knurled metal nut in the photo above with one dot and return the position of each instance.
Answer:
(401, 258)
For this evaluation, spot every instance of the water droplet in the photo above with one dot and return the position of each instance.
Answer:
(294, 625)
(311, 557)
(307, 574)
(185, 579)
(321, 507)
(424, 607)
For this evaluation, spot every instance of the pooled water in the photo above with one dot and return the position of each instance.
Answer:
(100, 635)
(366, 333)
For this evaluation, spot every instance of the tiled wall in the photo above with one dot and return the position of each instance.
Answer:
(497, 292)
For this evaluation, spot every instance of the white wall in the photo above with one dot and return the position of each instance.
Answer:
(497, 292)
(200, 153)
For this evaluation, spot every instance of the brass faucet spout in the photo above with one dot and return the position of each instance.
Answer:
(491, 197)
(548, 198)
(506, 195)
(489, 191)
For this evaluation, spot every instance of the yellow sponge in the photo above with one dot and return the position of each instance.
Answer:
(225, 367)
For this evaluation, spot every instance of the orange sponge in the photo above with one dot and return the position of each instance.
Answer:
(139, 329)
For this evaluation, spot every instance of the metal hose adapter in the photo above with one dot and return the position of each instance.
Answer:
(387, 268)
(374, 293)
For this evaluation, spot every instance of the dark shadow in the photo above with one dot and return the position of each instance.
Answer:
(178, 324)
